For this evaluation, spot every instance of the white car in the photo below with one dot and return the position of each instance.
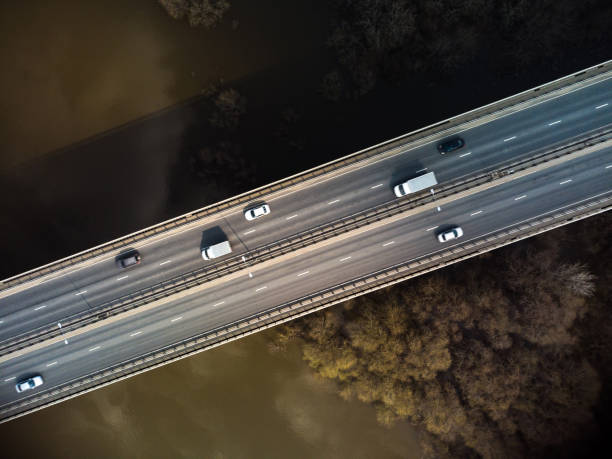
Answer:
(256, 212)
(453, 233)
(29, 383)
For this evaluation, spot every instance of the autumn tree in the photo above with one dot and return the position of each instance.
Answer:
(205, 13)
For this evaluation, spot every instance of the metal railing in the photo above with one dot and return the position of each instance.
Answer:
(303, 306)
(291, 243)
(240, 200)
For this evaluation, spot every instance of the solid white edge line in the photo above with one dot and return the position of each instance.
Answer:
(399, 150)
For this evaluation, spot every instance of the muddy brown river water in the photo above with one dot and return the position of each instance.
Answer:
(73, 69)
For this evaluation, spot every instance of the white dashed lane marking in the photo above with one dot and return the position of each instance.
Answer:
(303, 274)
(333, 202)
(40, 307)
(249, 232)
(94, 348)
(465, 154)
(601, 106)
(476, 213)
(565, 181)
(261, 288)
(388, 243)
(432, 228)
(121, 278)
(176, 318)
(164, 262)
(135, 333)
(345, 258)
(510, 138)
(376, 186)
(80, 293)
(218, 304)
(9, 379)
(520, 197)
(554, 122)
(291, 216)
(52, 363)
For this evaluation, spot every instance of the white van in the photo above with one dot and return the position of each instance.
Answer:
(416, 184)
(217, 250)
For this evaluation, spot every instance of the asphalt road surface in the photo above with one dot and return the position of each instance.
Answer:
(509, 137)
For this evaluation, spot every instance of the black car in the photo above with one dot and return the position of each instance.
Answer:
(128, 259)
(451, 145)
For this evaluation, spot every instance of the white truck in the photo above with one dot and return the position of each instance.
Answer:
(416, 184)
(216, 250)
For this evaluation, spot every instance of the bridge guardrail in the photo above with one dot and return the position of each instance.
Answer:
(303, 306)
(243, 199)
(291, 243)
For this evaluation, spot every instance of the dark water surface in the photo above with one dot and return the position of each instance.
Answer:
(236, 401)
(82, 161)
(73, 69)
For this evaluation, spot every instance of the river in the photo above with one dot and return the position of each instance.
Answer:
(74, 69)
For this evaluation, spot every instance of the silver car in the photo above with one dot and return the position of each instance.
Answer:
(29, 383)
(256, 212)
(450, 234)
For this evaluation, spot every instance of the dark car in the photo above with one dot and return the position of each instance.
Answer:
(451, 145)
(128, 259)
